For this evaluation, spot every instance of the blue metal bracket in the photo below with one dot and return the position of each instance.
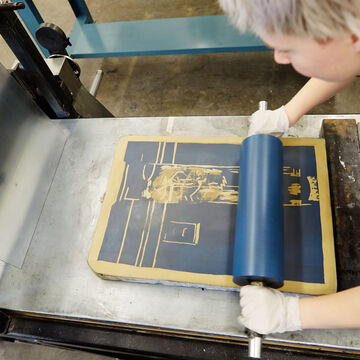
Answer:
(191, 35)
(32, 19)
(204, 34)
(81, 11)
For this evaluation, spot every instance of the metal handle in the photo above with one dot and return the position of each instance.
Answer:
(11, 6)
(255, 339)
(263, 105)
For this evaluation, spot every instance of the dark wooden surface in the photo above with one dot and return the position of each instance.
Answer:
(343, 154)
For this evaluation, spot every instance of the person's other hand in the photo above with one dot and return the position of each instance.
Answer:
(266, 310)
(272, 122)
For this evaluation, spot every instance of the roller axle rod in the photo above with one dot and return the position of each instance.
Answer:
(259, 220)
(255, 339)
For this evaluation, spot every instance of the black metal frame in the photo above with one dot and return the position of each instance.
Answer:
(131, 342)
(33, 73)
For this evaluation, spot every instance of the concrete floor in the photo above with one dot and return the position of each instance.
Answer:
(208, 84)
(19, 351)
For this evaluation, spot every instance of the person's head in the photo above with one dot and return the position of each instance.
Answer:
(320, 38)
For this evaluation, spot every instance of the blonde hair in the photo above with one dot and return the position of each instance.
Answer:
(315, 19)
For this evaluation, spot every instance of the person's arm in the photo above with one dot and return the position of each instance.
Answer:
(340, 310)
(277, 122)
(313, 93)
(266, 310)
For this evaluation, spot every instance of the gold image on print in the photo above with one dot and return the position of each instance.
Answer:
(191, 183)
(180, 232)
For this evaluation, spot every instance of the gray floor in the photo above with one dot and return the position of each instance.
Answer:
(19, 351)
(208, 84)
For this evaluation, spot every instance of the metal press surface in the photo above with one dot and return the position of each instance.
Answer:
(55, 277)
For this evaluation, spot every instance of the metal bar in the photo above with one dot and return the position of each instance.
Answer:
(96, 83)
(204, 34)
(81, 11)
(16, 5)
(32, 19)
(129, 342)
(36, 74)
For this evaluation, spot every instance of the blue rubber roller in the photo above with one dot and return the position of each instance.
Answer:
(259, 236)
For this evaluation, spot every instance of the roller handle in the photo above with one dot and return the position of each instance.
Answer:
(263, 105)
(255, 339)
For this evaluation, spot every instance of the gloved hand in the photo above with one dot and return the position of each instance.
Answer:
(266, 310)
(273, 122)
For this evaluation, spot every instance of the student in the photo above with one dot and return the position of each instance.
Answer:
(321, 40)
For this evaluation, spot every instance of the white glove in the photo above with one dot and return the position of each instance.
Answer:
(266, 310)
(273, 122)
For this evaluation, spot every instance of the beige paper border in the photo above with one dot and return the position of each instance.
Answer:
(115, 270)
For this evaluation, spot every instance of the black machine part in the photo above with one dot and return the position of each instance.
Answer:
(51, 37)
(33, 72)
